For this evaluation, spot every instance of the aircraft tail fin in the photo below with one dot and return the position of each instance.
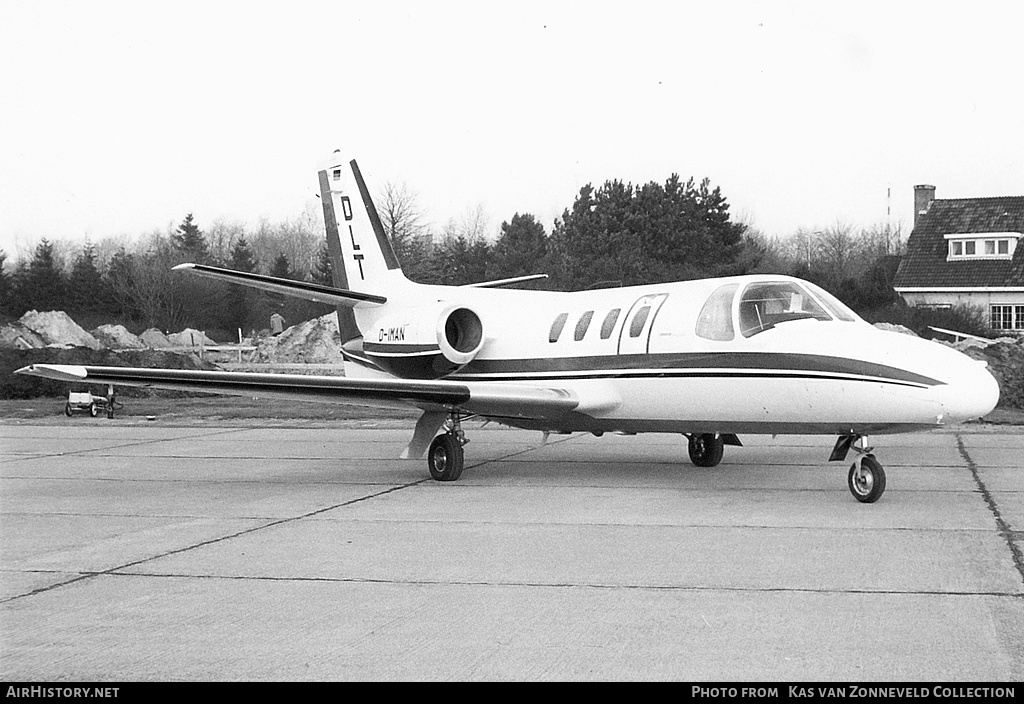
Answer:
(361, 253)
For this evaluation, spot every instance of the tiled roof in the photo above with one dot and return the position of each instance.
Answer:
(925, 265)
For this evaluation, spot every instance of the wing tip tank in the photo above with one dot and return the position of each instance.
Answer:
(60, 372)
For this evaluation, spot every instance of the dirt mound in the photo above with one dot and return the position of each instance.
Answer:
(117, 337)
(892, 327)
(154, 338)
(316, 341)
(53, 327)
(18, 337)
(189, 338)
(21, 386)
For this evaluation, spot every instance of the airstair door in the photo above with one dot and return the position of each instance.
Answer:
(635, 336)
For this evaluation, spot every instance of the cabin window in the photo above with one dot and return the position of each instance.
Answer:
(583, 324)
(556, 327)
(765, 305)
(639, 320)
(609, 323)
(715, 319)
(837, 308)
(337, 174)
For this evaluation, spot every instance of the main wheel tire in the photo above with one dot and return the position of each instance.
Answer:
(445, 458)
(706, 449)
(868, 484)
(67, 410)
(93, 410)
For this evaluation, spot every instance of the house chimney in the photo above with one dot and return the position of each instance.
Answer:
(923, 197)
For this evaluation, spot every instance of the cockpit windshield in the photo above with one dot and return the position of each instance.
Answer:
(834, 305)
(765, 305)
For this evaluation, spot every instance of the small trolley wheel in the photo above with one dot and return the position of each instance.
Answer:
(67, 410)
(93, 410)
(867, 483)
(445, 458)
(706, 449)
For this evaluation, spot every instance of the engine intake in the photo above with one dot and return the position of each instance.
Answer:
(426, 343)
(460, 335)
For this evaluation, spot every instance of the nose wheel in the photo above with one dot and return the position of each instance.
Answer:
(866, 478)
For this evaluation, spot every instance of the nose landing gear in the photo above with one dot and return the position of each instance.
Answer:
(867, 477)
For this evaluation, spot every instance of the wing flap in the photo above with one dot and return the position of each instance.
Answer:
(287, 287)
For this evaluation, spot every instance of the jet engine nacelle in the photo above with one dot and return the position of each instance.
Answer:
(425, 343)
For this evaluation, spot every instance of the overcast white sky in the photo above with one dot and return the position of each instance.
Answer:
(121, 117)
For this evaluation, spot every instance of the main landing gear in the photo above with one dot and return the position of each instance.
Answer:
(706, 449)
(446, 458)
(866, 478)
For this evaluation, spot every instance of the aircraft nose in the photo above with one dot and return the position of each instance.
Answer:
(971, 393)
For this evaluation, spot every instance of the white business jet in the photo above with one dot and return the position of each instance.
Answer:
(710, 359)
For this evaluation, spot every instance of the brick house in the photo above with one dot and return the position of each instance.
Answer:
(965, 251)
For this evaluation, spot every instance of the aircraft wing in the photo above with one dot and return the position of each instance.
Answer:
(300, 289)
(498, 400)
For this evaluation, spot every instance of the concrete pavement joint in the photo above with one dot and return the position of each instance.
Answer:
(555, 585)
(112, 447)
(114, 570)
(212, 541)
(521, 452)
(1004, 529)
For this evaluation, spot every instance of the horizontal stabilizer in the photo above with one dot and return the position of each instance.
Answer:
(507, 282)
(287, 287)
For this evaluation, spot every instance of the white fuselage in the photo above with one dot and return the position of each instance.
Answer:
(669, 362)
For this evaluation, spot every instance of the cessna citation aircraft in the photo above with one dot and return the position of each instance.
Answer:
(711, 359)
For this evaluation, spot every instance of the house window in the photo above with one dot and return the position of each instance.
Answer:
(992, 245)
(1006, 317)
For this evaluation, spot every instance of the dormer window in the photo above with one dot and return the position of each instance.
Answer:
(982, 245)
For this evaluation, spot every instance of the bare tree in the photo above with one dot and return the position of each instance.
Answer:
(222, 236)
(838, 248)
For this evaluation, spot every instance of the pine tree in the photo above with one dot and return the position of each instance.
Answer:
(119, 281)
(86, 283)
(242, 258)
(190, 242)
(281, 268)
(240, 300)
(647, 234)
(40, 285)
(520, 250)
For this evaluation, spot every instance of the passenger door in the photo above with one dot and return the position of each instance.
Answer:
(635, 335)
